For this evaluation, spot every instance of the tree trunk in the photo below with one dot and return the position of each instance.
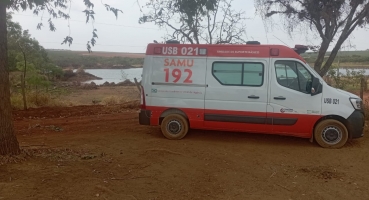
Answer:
(23, 87)
(8, 141)
(23, 80)
(320, 59)
(332, 56)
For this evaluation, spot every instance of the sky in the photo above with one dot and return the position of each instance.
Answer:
(125, 34)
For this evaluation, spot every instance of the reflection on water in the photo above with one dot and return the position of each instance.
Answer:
(115, 75)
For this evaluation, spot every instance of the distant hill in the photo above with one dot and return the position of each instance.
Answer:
(123, 60)
(95, 60)
(346, 58)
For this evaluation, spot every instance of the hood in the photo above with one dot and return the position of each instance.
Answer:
(348, 93)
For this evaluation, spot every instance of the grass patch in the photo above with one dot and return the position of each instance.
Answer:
(36, 100)
(113, 100)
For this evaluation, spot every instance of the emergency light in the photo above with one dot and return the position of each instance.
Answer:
(299, 49)
(157, 50)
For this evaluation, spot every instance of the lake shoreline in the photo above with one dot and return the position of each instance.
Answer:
(108, 67)
(114, 76)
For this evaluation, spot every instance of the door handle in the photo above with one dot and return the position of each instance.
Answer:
(280, 98)
(253, 97)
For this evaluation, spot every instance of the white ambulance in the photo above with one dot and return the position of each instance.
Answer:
(255, 88)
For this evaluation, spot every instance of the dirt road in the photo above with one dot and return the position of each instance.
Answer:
(95, 152)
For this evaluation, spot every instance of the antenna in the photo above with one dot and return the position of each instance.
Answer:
(266, 34)
(280, 40)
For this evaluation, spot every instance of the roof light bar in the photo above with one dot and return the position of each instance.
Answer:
(274, 52)
(299, 49)
(203, 52)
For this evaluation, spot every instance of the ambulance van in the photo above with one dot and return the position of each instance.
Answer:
(267, 89)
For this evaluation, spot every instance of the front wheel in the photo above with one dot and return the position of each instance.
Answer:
(331, 133)
(174, 126)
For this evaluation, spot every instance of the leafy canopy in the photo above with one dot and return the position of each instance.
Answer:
(197, 21)
(59, 9)
(332, 20)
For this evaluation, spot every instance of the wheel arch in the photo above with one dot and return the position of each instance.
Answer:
(172, 111)
(335, 117)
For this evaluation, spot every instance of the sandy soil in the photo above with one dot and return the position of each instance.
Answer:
(100, 152)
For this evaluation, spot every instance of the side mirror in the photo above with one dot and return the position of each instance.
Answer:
(316, 87)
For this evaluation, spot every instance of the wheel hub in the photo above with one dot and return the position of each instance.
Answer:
(332, 135)
(174, 127)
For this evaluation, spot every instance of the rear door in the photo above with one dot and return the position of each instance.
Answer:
(236, 94)
(294, 110)
(178, 82)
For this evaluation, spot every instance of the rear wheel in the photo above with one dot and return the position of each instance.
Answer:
(331, 133)
(174, 126)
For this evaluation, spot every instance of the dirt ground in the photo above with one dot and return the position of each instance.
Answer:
(100, 152)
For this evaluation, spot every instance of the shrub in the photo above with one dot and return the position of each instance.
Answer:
(39, 99)
(351, 80)
(111, 100)
(16, 101)
(68, 74)
(80, 71)
(36, 99)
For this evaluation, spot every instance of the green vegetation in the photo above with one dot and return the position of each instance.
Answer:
(72, 59)
(349, 80)
(354, 59)
(30, 65)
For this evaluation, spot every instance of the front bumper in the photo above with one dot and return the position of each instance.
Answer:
(144, 117)
(356, 123)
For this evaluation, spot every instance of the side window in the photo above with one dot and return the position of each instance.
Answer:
(286, 74)
(293, 75)
(239, 74)
(253, 74)
(228, 73)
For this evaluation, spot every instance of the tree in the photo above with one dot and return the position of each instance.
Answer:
(211, 22)
(14, 33)
(332, 20)
(30, 58)
(56, 9)
(8, 141)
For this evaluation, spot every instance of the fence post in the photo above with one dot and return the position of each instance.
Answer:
(137, 85)
(362, 82)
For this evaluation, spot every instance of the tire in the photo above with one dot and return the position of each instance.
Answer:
(331, 133)
(174, 127)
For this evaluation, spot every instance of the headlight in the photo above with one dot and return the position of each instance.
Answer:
(356, 103)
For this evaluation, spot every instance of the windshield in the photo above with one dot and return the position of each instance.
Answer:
(312, 70)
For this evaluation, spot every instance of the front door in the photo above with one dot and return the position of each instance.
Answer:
(236, 94)
(294, 110)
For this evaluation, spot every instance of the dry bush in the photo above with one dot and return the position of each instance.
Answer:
(68, 74)
(123, 100)
(16, 101)
(127, 82)
(80, 71)
(114, 100)
(37, 99)
(131, 105)
(110, 100)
